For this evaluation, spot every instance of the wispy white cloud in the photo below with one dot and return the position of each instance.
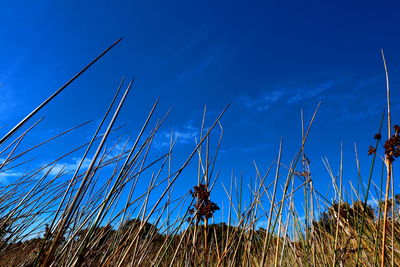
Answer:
(8, 174)
(5, 176)
(289, 94)
(264, 102)
(185, 135)
(304, 93)
(67, 167)
(70, 166)
(181, 135)
(119, 148)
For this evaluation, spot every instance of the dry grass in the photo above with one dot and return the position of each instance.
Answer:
(50, 218)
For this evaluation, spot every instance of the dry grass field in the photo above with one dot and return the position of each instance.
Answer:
(76, 219)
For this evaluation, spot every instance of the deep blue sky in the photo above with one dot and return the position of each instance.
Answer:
(268, 58)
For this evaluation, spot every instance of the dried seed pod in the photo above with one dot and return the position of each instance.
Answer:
(204, 207)
(371, 150)
(378, 136)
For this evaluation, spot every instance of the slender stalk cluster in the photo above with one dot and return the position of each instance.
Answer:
(128, 215)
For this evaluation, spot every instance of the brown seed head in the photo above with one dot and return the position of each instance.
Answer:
(378, 136)
(371, 150)
(204, 207)
(396, 128)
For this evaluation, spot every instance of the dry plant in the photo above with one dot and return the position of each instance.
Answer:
(118, 206)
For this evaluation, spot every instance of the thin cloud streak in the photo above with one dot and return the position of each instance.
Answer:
(182, 135)
(289, 95)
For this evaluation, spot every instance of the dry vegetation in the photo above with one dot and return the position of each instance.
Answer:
(78, 219)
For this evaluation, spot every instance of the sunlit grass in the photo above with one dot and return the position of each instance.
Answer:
(95, 215)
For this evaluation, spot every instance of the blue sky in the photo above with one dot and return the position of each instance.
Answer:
(269, 59)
